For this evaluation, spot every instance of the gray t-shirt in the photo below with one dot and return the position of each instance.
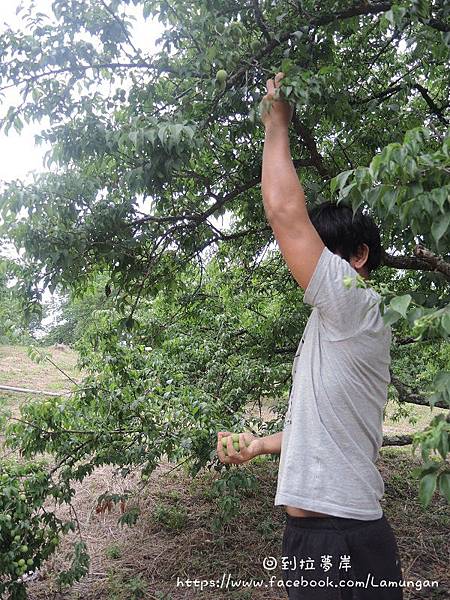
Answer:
(333, 425)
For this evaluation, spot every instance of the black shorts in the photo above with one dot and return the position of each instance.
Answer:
(331, 558)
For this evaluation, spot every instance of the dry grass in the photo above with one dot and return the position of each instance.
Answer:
(150, 556)
(17, 369)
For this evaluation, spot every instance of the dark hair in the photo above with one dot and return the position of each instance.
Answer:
(344, 232)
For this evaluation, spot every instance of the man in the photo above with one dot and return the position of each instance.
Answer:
(336, 534)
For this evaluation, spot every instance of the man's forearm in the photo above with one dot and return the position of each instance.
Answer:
(271, 444)
(281, 189)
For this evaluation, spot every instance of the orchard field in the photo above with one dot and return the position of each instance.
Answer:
(175, 536)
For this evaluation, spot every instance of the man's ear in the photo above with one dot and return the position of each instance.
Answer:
(359, 260)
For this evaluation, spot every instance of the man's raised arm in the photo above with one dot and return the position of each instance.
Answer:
(283, 196)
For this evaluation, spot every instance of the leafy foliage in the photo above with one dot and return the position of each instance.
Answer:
(73, 313)
(13, 330)
(28, 533)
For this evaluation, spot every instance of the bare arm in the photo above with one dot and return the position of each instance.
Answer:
(249, 446)
(283, 195)
(271, 444)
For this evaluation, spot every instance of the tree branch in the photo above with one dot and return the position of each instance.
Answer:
(437, 262)
(436, 24)
(260, 20)
(73, 70)
(383, 49)
(121, 25)
(201, 217)
(316, 157)
(423, 261)
(387, 93)
(410, 397)
(433, 106)
(397, 440)
(238, 234)
(364, 8)
(406, 341)
(185, 30)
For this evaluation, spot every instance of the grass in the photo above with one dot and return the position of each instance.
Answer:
(172, 518)
(17, 369)
(114, 551)
(174, 537)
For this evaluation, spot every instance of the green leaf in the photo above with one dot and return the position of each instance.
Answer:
(339, 181)
(440, 226)
(375, 165)
(395, 15)
(391, 316)
(431, 466)
(427, 487)
(400, 304)
(162, 134)
(389, 199)
(421, 8)
(440, 196)
(434, 398)
(442, 445)
(445, 322)
(363, 177)
(410, 167)
(446, 38)
(18, 124)
(389, 16)
(347, 192)
(441, 385)
(286, 66)
(444, 485)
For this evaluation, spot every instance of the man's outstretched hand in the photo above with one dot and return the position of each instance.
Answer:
(275, 112)
(249, 447)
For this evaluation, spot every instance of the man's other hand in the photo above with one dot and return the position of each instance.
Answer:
(249, 447)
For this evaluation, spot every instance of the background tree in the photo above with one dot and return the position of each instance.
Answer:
(72, 313)
(12, 328)
(149, 151)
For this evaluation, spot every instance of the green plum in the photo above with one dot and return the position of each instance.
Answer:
(221, 76)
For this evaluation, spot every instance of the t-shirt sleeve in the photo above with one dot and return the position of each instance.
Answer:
(343, 311)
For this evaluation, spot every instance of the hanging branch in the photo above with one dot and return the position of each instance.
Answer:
(10, 388)
(397, 440)
(437, 262)
(364, 8)
(310, 143)
(260, 20)
(406, 395)
(424, 260)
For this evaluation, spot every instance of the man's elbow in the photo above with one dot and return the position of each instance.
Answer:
(286, 212)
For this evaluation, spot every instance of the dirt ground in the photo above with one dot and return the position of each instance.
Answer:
(173, 539)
